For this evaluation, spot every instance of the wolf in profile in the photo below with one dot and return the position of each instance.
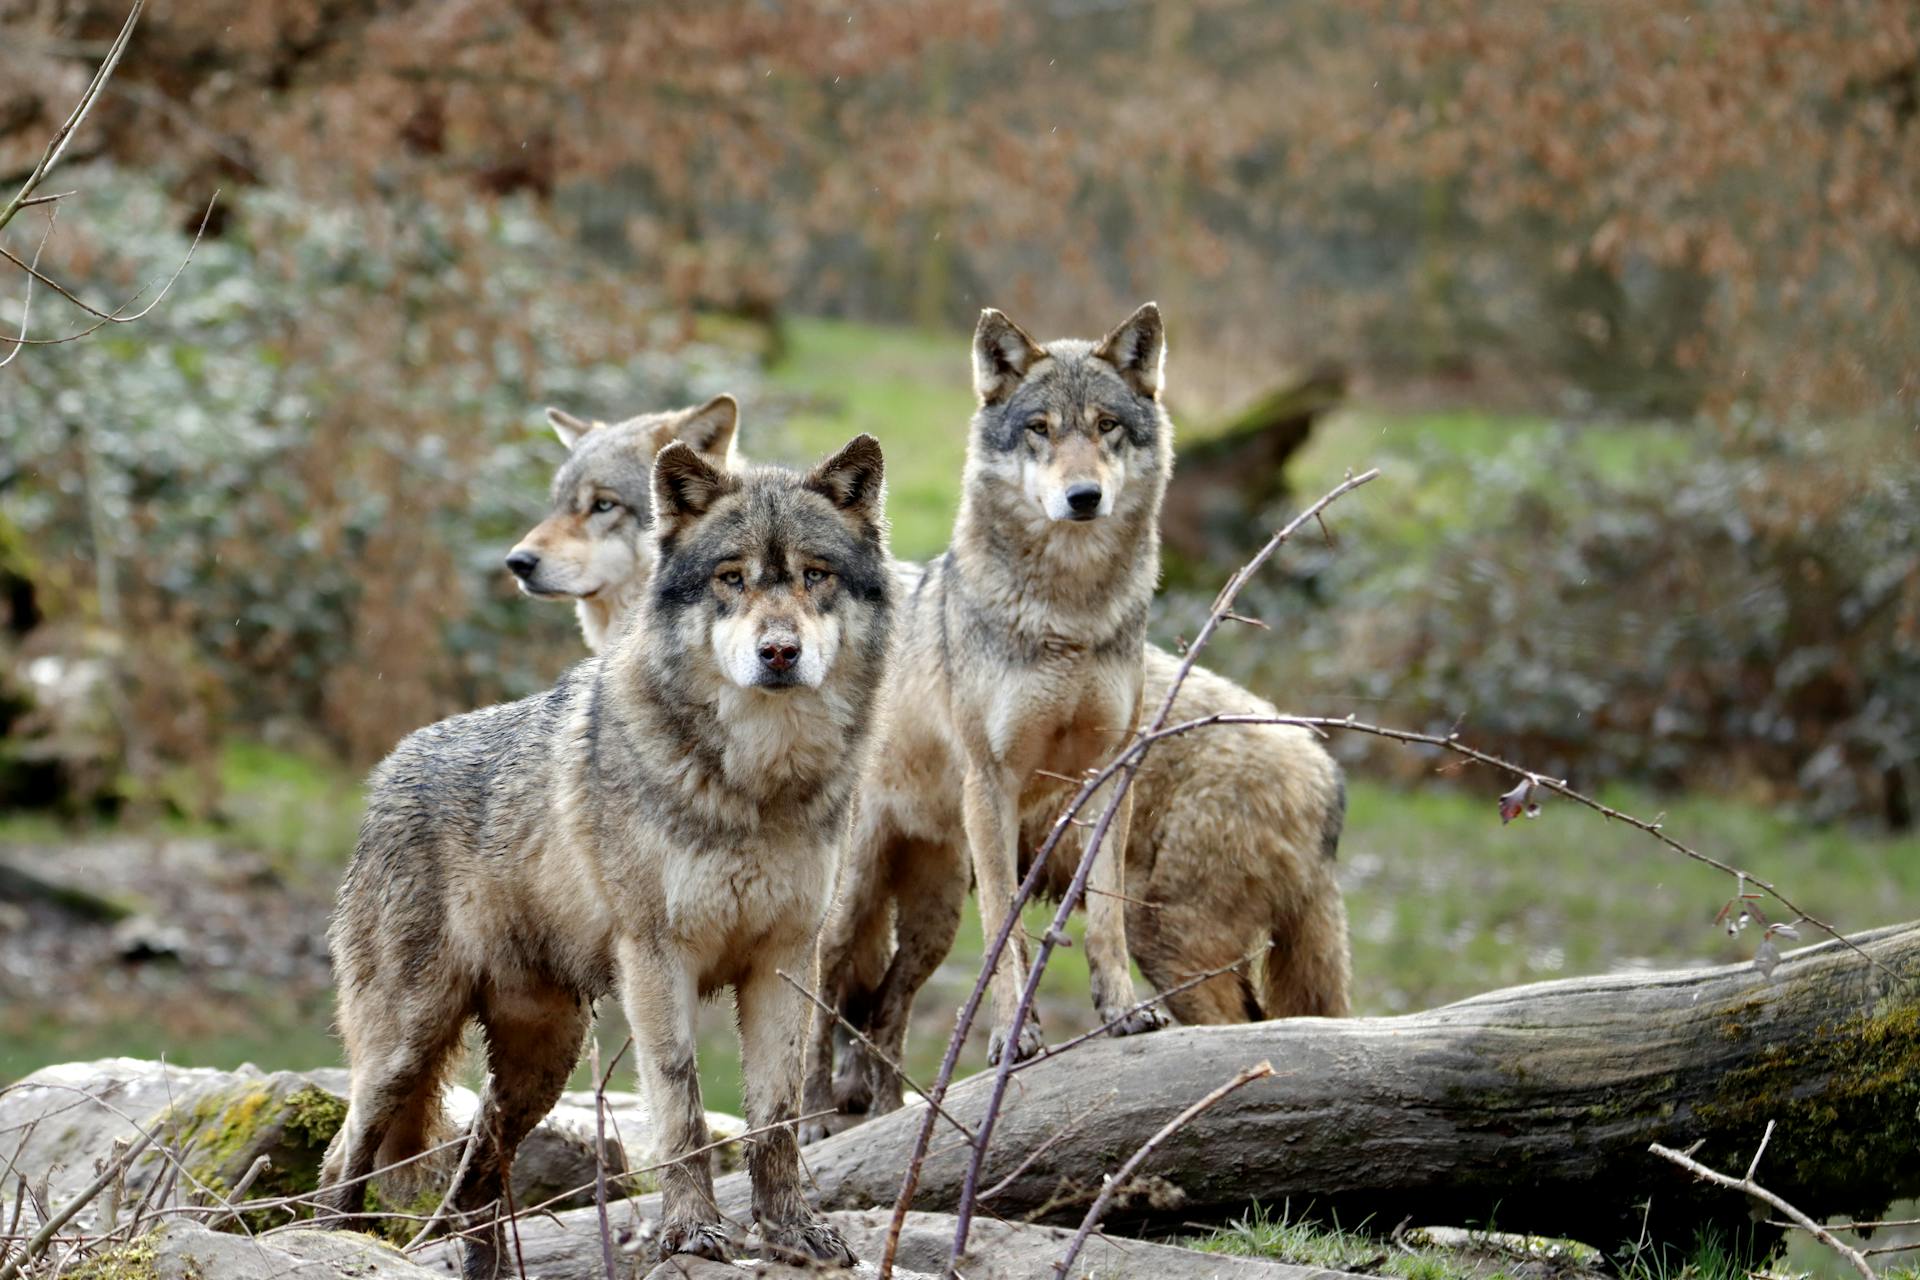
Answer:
(593, 547)
(664, 823)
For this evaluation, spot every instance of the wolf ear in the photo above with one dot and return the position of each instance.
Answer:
(568, 427)
(1002, 354)
(685, 485)
(854, 480)
(709, 428)
(1138, 349)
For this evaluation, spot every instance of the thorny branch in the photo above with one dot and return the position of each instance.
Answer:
(1758, 1192)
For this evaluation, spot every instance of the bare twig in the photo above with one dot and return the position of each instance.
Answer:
(51, 1227)
(261, 1163)
(600, 1153)
(26, 305)
(1758, 1192)
(1119, 1179)
(57, 145)
(1057, 1136)
(121, 314)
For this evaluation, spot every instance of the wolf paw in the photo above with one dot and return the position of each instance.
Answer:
(809, 1132)
(705, 1239)
(809, 1241)
(1030, 1043)
(1133, 1022)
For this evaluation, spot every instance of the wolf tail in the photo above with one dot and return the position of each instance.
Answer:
(1307, 971)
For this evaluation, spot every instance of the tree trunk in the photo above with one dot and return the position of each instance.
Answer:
(1527, 1110)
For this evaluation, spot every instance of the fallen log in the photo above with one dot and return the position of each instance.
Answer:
(1529, 1109)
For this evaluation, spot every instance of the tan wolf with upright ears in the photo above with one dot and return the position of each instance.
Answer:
(1019, 654)
(664, 823)
(593, 547)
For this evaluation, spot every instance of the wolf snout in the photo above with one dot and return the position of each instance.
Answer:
(1083, 500)
(779, 655)
(523, 564)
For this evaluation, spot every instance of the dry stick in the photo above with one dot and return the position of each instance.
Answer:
(58, 143)
(119, 315)
(261, 1163)
(875, 1050)
(26, 306)
(1119, 1180)
(1127, 765)
(1758, 1192)
(52, 1226)
(1057, 1136)
(600, 1151)
(441, 1211)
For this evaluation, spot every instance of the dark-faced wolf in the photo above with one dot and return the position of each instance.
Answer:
(664, 823)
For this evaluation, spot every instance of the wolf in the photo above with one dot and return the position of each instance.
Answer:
(1020, 648)
(593, 547)
(663, 823)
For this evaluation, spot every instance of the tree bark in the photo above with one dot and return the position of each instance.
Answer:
(1528, 1109)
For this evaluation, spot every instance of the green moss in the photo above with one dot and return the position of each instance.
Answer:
(314, 1116)
(225, 1131)
(399, 1230)
(1846, 1107)
(132, 1261)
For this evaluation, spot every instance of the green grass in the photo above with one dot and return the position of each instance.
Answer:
(1304, 1241)
(298, 809)
(911, 390)
(1442, 472)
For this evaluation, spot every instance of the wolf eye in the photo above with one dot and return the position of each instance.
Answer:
(1109, 425)
(814, 577)
(733, 577)
(603, 505)
(1038, 426)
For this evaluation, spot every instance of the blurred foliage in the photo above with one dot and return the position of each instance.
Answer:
(288, 489)
(1641, 207)
(1739, 611)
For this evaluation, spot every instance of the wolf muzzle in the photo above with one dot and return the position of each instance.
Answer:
(779, 652)
(1083, 501)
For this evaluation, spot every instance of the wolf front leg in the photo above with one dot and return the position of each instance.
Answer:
(1108, 964)
(989, 807)
(658, 994)
(773, 1023)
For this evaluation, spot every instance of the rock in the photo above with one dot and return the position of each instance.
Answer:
(1010, 1251)
(221, 1121)
(217, 1121)
(187, 1251)
(691, 1268)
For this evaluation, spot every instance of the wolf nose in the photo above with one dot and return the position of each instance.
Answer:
(778, 655)
(523, 563)
(1083, 499)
